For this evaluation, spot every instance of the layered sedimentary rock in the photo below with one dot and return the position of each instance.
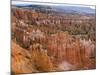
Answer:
(62, 47)
(43, 43)
(21, 62)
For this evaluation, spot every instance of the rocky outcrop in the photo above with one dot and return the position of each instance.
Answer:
(43, 43)
(21, 60)
(40, 59)
(62, 47)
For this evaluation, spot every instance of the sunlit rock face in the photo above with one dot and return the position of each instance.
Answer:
(21, 62)
(43, 42)
(62, 47)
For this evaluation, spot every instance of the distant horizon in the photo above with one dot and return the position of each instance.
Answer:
(50, 4)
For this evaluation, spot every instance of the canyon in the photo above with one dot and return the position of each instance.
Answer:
(49, 42)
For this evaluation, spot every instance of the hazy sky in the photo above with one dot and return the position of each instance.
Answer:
(25, 2)
(87, 2)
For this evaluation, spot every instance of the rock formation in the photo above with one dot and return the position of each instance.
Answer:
(43, 42)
